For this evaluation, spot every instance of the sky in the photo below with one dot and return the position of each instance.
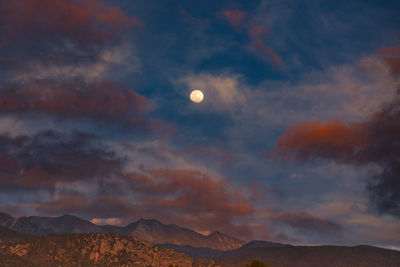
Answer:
(297, 139)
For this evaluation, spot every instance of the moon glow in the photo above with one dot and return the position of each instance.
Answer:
(196, 96)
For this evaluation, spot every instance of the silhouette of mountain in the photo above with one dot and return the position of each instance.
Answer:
(261, 244)
(149, 230)
(208, 253)
(312, 256)
(205, 253)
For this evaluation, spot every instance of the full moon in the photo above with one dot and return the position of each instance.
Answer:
(196, 96)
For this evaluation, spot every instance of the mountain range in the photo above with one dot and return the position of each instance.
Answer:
(148, 230)
(71, 241)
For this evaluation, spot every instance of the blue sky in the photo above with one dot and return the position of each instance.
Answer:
(96, 118)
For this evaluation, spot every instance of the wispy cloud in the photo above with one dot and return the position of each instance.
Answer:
(258, 33)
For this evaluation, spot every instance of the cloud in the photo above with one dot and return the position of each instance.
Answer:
(222, 93)
(348, 93)
(193, 198)
(40, 162)
(314, 139)
(118, 58)
(375, 140)
(391, 55)
(307, 223)
(85, 23)
(235, 17)
(185, 197)
(224, 156)
(81, 174)
(105, 100)
(189, 18)
(58, 57)
(257, 33)
(359, 226)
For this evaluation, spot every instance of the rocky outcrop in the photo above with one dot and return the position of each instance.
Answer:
(89, 250)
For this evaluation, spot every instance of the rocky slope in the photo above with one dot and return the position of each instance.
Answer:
(87, 250)
(149, 230)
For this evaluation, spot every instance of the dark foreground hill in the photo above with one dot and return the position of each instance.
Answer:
(205, 253)
(313, 256)
(208, 253)
(86, 250)
(149, 230)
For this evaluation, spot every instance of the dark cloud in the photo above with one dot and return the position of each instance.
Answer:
(39, 162)
(376, 140)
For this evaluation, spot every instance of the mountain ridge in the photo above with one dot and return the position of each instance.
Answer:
(312, 256)
(150, 230)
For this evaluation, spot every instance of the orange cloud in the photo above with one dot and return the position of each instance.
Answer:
(257, 33)
(99, 100)
(192, 198)
(85, 21)
(313, 139)
(391, 55)
(235, 17)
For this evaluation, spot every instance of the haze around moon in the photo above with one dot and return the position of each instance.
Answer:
(196, 96)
